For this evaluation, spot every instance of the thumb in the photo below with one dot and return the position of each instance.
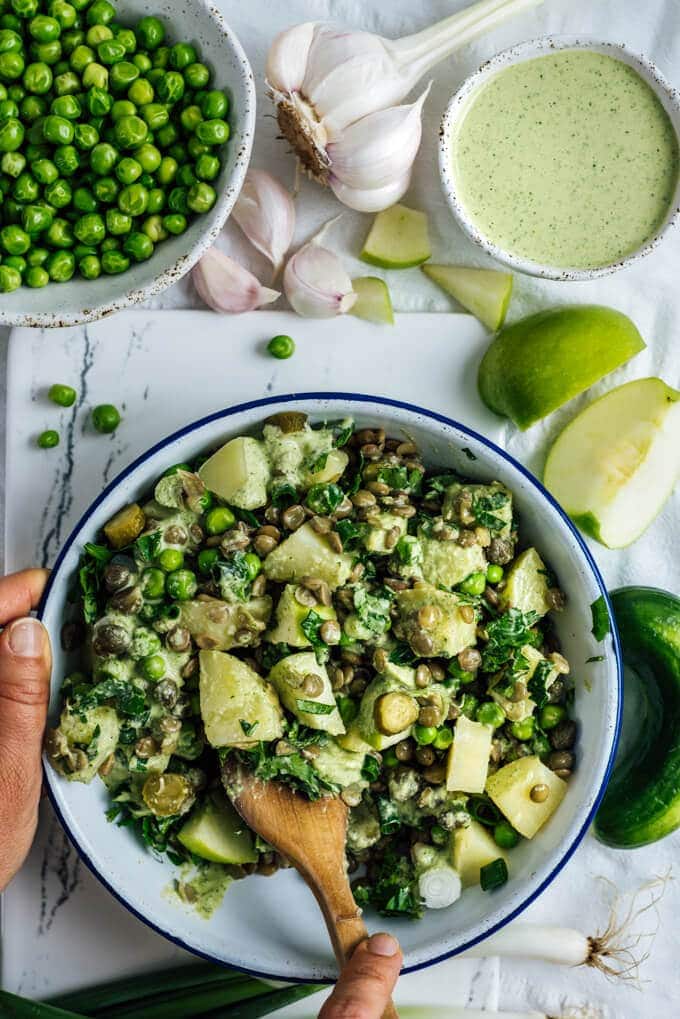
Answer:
(25, 663)
(367, 981)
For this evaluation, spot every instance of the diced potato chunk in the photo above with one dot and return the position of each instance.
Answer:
(446, 563)
(526, 585)
(468, 761)
(352, 740)
(238, 473)
(127, 525)
(237, 705)
(334, 468)
(318, 711)
(380, 528)
(214, 623)
(510, 789)
(290, 616)
(307, 554)
(449, 634)
(473, 848)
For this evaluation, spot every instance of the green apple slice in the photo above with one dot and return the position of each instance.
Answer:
(373, 301)
(535, 365)
(398, 239)
(483, 292)
(614, 466)
(215, 832)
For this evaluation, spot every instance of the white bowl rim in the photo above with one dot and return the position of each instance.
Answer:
(50, 777)
(669, 96)
(187, 261)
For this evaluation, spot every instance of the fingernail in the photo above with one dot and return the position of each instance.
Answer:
(27, 638)
(382, 944)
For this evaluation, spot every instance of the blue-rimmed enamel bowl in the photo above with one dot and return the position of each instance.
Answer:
(272, 926)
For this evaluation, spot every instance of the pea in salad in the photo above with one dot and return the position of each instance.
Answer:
(319, 603)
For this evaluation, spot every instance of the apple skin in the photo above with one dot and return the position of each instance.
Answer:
(538, 364)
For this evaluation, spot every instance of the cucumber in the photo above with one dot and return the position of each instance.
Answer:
(398, 239)
(216, 832)
(642, 802)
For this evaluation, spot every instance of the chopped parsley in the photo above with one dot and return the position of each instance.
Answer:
(350, 533)
(601, 622)
(537, 685)
(311, 627)
(91, 579)
(507, 634)
(283, 494)
(233, 577)
(324, 499)
(394, 889)
(292, 769)
(315, 707)
(373, 609)
(400, 478)
(485, 509)
(147, 546)
(248, 727)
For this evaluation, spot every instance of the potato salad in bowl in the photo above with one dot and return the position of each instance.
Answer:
(342, 615)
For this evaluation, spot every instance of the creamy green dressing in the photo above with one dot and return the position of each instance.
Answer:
(568, 159)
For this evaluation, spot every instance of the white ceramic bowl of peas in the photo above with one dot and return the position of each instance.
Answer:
(81, 300)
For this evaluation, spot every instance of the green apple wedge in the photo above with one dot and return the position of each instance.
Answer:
(614, 466)
(536, 365)
(485, 293)
(398, 239)
(373, 302)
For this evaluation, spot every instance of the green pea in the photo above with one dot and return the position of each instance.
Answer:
(128, 39)
(161, 57)
(105, 417)
(167, 170)
(131, 132)
(141, 92)
(281, 347)
(95, 76)
(85, 137)
(138, 245)
(57, 130)
(66, 107)
(494, 573)
(186, 177)
(43, 28)
(424, 734)
(103, 158)
(60, 234)
(64, 12)
(32, 108)
(123, 75)
(153, 583)
(196, 148)
(114, 262)
(62, 395)
(71, 40)
(443, 739)
(81, 57)
(171, 559)
(36, 257)
(128, 170)
(26, 189)
(475, 584)
(98, 34)
(213, 132)
(150, 33)
(11, 135)
(44, 171)
(505, 835)
(175, 223)
(156, 201)
(133, 200)
(90, 267)
(181, 585)
(207, 559)
(490, 713)
(207, 167)
(14, 240)
(201, 197)
(190, 118)
(48, 439)
(155, 115)
(214, 105)
(36, 277)
(67, 159)
(12, 163)
(38, 78)
(10, 41)
(90, 229)
(523, 730)
(61, 266)
(101, 12)
(17, 262)
(219, 519)
(182, 54)
(197, 75)
(551, 715)
(143, 62)
(153, 667)
(8, 109)
(122, 108)
(12, 66)
(59, 194)
(36, 218)
(166, 136)
(253, 564)
(117, 223)
(106, 189)
(10, 279)
(149, 156)
(170, 87)
(99, 101)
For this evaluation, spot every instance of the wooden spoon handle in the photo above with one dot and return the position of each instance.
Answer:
(344, 921)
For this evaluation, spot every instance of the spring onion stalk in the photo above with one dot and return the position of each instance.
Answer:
(458, 1012)
(14, 1007)
(145, 985)
(438, 883)
(195, 1001)
(264, 1004)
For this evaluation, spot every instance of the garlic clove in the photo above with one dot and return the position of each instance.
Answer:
(226, 286)
(288, 56)
(266, 213)
(379, 149)
(316, 283)
(371, 199)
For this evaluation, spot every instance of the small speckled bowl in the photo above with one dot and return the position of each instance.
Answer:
(79, 300)
(459, 104)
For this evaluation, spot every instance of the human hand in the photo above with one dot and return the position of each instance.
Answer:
(25, 664)
(366, 983)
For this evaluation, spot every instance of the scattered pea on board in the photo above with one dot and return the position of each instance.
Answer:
(109, 140)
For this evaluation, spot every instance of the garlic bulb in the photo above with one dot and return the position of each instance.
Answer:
(316, 283)
(337, 91)
(266, 213)
(226, 286)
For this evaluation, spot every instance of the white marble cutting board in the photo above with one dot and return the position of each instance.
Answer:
(163, 369)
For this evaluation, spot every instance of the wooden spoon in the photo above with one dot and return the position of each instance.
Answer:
(311, 834)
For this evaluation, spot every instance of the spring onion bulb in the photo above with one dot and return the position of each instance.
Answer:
(439, 887)
(338, 93)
